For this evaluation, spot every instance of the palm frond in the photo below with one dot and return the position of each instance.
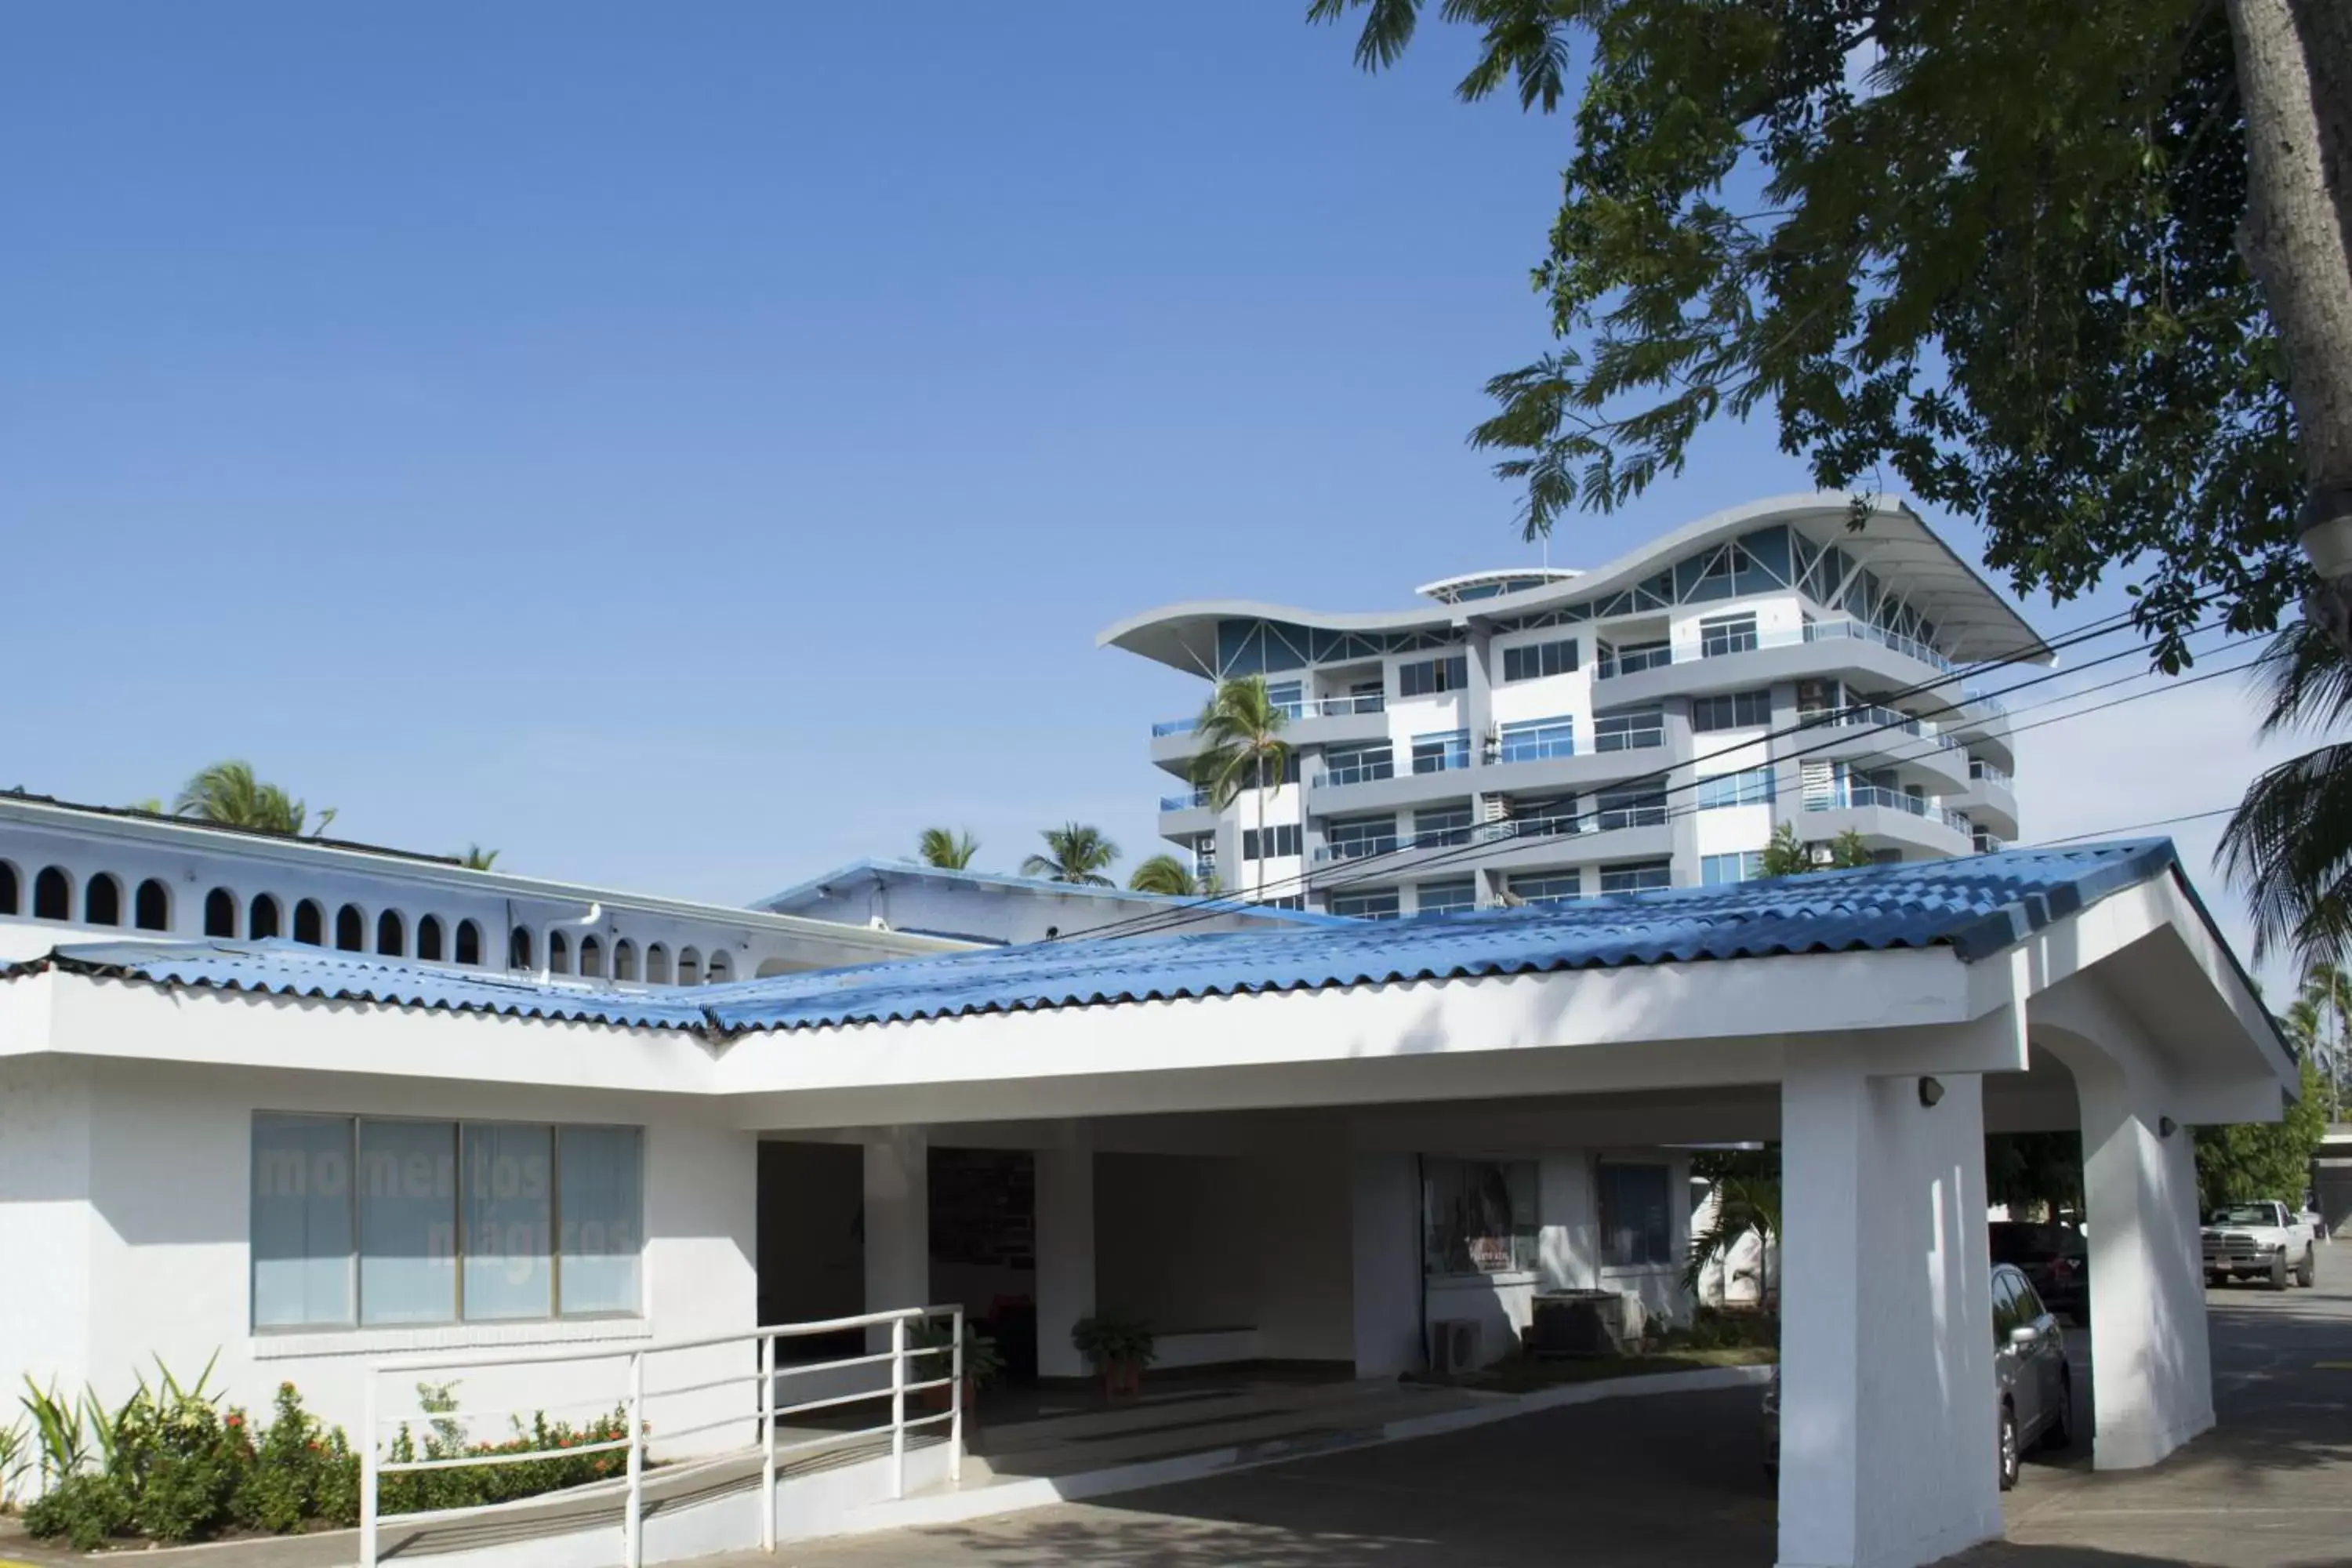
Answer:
(2306, 681)
(1075, 853)
(2288, 849)
(947, 850)
(1162, 873)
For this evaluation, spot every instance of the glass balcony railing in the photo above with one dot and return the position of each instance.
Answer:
(1355, 848)
(1859, 795)
(1356, 773)
(1989, 774)
(1872, 717)
(1198, 797)
(1720, 644)
(1313, 708)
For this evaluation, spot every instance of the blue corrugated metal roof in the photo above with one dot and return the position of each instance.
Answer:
(801, 894)
(1976, 906)
(292, 969)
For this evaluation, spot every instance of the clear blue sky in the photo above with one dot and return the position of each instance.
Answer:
(687, 447)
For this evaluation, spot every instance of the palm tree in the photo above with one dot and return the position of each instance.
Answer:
(476, 858)
(948, 851)
(1242, 747)
(1075, 853)
(1163, 874)
(1788, 856)
(2326, 998)
(229, 793)
(1746, 1192)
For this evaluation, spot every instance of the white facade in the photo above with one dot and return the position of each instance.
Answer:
(141, 876)
(1541, 736)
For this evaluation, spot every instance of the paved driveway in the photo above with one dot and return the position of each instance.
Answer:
(1677, 1482)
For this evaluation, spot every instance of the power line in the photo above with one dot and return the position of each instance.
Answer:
(2133, 827)
(1359, 870)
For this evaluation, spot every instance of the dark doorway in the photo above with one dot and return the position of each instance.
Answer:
(812, 1257)
(984, 1246)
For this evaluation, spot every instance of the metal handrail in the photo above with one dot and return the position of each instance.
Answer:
(373, 1466)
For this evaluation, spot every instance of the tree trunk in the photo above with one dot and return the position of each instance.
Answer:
(2294, 75)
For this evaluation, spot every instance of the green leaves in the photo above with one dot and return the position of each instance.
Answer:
(1984, 249)
(1162, 873)
(228, 793)
(1075, 853)
(947, 850)
(1241, 740)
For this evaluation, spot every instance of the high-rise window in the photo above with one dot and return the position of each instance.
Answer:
(1719, 635)
(1629, 729)
(1722, 870)
(1428, 677)
(1440, 826)
(1547, 886)
(1441, 752)
(1750, 786)
(1538, 739)
(1539, 660)
(1637, 877)
(1732, 710)
(1270, 842)
(1630, 805)
(1363, 836)
(1446, 898)
(1366, 904)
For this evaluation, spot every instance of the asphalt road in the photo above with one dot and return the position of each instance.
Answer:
(1677, 1482)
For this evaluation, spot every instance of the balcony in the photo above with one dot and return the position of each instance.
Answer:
(1988, 774)
(1313, 708)
(1356, 773)
(1863, 794)
(1198, 797)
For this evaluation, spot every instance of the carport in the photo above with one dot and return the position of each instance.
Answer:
(1875, 1021)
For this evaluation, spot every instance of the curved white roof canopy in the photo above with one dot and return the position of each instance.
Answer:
(1974, 622)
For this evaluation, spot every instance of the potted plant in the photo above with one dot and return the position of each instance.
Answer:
(1119, 1347)
(983, 1364)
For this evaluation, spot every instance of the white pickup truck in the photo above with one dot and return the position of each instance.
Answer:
(2263, 1240)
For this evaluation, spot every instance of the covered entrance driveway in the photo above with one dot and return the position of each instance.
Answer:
(1869, 1020)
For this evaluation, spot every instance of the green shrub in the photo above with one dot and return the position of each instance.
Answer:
(86, 1510)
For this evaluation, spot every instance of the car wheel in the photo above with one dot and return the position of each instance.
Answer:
(2008, 1455)
(2278, 1272)
(2061, 1434)
(2307, 1270)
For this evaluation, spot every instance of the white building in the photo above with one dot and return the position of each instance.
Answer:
(132, 871)
(1310, 1144)
(1538, 735)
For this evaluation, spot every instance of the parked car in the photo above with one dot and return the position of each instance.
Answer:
(2054, 1258)
(2031, 1380)
(2258, 1241)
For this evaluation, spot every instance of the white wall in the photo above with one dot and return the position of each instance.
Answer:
(165, 1273)
(1304, 1203)
(46, 1230)
(1176, 1241)
(1386, 1264)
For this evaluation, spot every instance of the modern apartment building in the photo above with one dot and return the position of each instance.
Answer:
(1537, 735)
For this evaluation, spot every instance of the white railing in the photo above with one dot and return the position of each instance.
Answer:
(766, 1412)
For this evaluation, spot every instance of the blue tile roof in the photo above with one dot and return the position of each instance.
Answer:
(291, 969)
(1976, 906)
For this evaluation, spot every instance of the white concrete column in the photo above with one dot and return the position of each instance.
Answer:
(2152, 1371)
(897, 1225)
(1386, 1263)
(1065, 1256)
(1568, 1209)
(1886, 1407)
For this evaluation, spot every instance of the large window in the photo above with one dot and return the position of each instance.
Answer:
(1357, 765)
(358, 1221)
(1446, 898)
(1258, 844)
(1732, 710)
(1426, 678)
(1722, 870)
(1630, 805)
(1538, 739)
(1637, 877)
(1634, 657)
(1539, 660)
(1629, 729)
(1719, 635)
(1363, 836)
(1547, 886)
(1479, 1216)
(1636, 1224)
(1370, 904)
(1441, 752)
(1750, 786)
(1440, 826)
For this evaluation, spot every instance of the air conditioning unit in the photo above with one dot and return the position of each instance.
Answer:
(1453, 1347)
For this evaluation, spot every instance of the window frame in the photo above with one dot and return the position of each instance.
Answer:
(1536, 740)
(1747, 711)
(1433, 677)
(1665, 1214)
(1539, 661)
(356, 1322)
(1642, 868)
(1465, 887)
(1523, 1235)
